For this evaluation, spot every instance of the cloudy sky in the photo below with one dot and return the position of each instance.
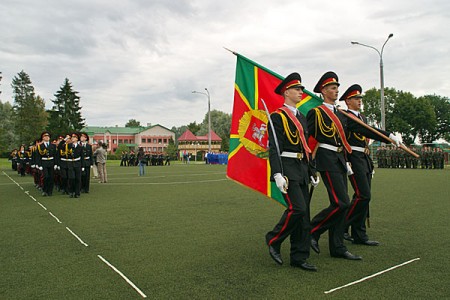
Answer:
(136, 59)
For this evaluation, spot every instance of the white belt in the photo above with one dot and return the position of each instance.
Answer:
(87, 157)
(292, 154)
(331, 147)
(72, 159)
(47, 158)
(63, 159)
(359, 149)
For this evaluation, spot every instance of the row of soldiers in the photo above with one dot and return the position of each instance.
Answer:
(63, 164)
(130, 159)
(390, 157)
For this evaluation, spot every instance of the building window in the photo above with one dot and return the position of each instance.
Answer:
(114, 142)
(120, 141)
(165, 141)
(143, 141)
(159, 149)
(159, 141)
(155, 141)
(154, 149)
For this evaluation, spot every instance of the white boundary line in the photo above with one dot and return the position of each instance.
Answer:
(57, 220)
(124, 277)
(166, 183)
(371, 276)
(41, 205)
(81, 241)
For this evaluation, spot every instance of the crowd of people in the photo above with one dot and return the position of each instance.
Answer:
(62, 164)
(429, 158)
(149, 159)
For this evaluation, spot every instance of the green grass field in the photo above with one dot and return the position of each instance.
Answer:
(185, 231)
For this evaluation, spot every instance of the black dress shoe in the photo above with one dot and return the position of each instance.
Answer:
(315, 245)
(348, 255)
(44, 194)
(367, 243)
(276, 256)
(71, 195)
(348, 237)
(304, 266)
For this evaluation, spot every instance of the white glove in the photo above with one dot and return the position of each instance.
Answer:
(373, 173)
(314, 181)
(349, 169)
(40, 168)
(281, 183)
(55, 167)
(92, 167)
(82, 169)
(395, 139)
(33, 166)
(59, 168)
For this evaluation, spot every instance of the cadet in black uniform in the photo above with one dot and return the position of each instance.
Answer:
(46, 152)
(327, 126)
(75, 157)
(288, 157)
(362, 167)
(88, 161)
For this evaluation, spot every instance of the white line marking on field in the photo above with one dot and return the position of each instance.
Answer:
(166, 183)
(57, 220)
(78, 238)
(371, 276)
(124, 277)
(33, 198)
(41, 205)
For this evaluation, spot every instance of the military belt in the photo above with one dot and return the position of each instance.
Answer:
(359, 149)
(331, 147)
(292, 154)
(47, 158)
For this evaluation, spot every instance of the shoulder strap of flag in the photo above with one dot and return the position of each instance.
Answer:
(339, 126)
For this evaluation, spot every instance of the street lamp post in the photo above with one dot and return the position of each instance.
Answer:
(209, 116)
(380, 53)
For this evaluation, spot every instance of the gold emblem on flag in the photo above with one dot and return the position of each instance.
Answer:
(253, 132)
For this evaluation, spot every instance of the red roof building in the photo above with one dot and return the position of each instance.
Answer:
(197, 146)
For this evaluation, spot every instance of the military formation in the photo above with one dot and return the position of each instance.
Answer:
(429, 158)
(150, 159)
(61, 165)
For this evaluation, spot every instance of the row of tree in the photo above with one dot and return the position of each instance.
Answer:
(424, 119)
(24, 121)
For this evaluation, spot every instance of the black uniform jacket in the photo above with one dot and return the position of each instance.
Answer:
(294, 169)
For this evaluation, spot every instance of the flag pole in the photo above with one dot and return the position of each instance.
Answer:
(403, 147)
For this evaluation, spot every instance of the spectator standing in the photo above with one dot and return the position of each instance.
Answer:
(100, 153)
(142, 161)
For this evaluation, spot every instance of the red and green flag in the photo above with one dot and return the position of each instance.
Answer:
(248, 159)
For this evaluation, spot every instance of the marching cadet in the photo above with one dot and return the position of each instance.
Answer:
(88, 161)
(289, 155)
(329, 127)
(58, 178)
(46, 154)
(362, 167)
(63, 157)
(13, 158)
(21, 160)
(74, 167)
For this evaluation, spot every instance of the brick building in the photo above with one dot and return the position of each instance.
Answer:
(154, 139)
(197, 146)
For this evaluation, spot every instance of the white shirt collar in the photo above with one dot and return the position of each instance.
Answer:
(355, 112)
(291, 108)
(330, 106)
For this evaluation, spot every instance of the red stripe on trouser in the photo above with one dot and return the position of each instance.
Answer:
(285, 222)
(332, 212)
(358, 196)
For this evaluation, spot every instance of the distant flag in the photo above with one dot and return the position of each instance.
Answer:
(248, 161)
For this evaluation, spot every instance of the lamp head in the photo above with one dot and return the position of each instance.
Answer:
(391, 35)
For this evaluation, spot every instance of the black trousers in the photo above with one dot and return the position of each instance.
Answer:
(48, 178)
(332, 218)
(86, 178)
(294, 223)
(359, 207)
(74, 180)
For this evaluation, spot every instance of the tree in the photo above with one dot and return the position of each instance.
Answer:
(6, 128)
(172, 149)
(194, 127)
(220, 124)
(65, 115)
(29, 115)
(441, 108)
(133, 123)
